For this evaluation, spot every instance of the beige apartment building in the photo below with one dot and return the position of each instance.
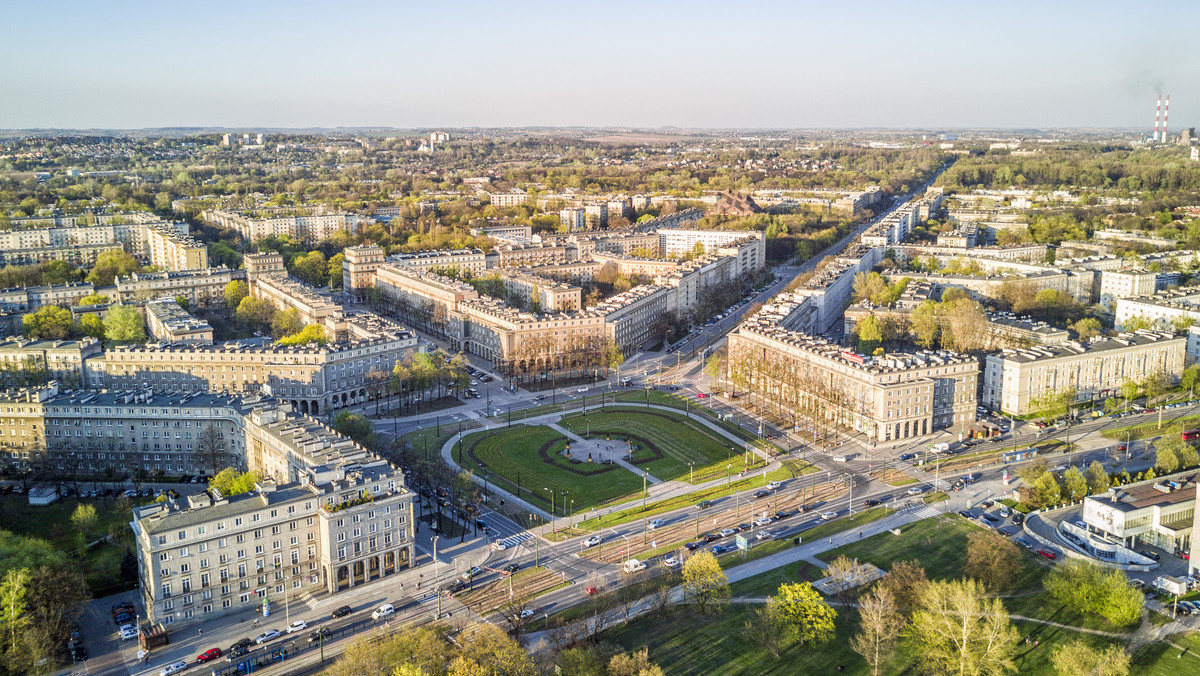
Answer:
(170, 250)
(548, 294)
(32, 362)
(326, 516)
(815, 382)
(472, 260)
(1012, 379)
(514, 340)
(202, 287)
(170, 323)
(286, 293)
(310, 228)
(28, 299)
(358, 270)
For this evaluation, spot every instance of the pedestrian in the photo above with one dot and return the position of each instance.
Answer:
(830, 540)
(860, 535)
(202, 632)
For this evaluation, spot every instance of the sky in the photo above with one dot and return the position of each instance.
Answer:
(647, 64)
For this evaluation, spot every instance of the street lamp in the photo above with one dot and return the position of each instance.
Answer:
(691, 472)
(552, 500)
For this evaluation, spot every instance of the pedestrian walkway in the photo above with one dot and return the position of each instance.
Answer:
(513, 540)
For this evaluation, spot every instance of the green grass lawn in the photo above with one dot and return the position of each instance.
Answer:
(530, 455)
(1163, 659)
(666, 442)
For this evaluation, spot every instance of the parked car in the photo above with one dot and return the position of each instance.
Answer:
(267, 635)
(173, 668)
(1047, 553)
(342, 612)
(1147, 552)
(129, 634)
(210, 654)
(671, 562)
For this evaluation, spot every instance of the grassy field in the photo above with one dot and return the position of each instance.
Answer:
(525, 460)
(1180, 656)
(666, 442)
(1149, 427)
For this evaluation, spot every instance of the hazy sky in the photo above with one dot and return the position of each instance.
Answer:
(704, 64)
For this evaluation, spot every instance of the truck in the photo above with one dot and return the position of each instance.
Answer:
(941, 447)
(633, 566)
(1171, 585)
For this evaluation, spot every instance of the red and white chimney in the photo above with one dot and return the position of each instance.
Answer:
(1166, 111)
(1157, 116)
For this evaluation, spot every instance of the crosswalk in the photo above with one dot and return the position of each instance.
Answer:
(925, 512)
(512, 540)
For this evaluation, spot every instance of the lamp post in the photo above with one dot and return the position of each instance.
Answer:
(691, 472)
(436, 571)
(728, 467)
(552, 501)
(644, 491)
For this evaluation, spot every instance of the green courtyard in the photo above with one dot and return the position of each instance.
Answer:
(669, 446)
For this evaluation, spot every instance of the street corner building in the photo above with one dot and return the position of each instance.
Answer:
(325, 516)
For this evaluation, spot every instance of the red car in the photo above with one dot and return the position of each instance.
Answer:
(1048, 554)
(701, 395)
(591, 591)
(210, 654)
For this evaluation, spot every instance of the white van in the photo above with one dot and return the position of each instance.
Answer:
(633, 566)
(383, 611)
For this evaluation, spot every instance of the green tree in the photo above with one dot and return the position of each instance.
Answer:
(958, 630)
(807, 618)
(880, 625)
(124, 324)
(1086, 587)
(353, 425)
(110, 265)
(94, 299)
(993, 560)
(1188, 456)
(1087, 328)
(868, 286)
(229, 481)
(870, 335)
(1097, 479)
(48, 323)
(183, 302)
(704, 583)
(926, 324)
(235, 291)
(311, 333)
(1075, 485)
(313, 268)
(1129, 391)
(84, 519)
(1132, 324)
(255, 313)
(610, 354)
(286, 322)
(14, 618)
(335, 270)
(1166, 460)
(1190, 375)
(1053, 404)
(1077, 658)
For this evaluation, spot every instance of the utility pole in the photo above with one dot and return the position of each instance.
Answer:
(436, 586)
(850, 481)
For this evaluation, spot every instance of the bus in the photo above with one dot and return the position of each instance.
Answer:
(1189, 435)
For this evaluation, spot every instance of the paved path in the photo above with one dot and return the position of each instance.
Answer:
(589, 445)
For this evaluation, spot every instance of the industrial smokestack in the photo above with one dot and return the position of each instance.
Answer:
(1157, 116)
(1166, 111)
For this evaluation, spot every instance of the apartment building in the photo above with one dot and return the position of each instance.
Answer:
(170, 250)
(422, 299)
(202, 288)
(309, 228)
(573, 218)
(78, 255)
(169, 322)
(30, 298)
(33, 362)
(466, 260)
(314, 379)
(286, 293)
(596, 215)
(326, 516)
(636, 317)
(546, 295)
(80, 239)
(509, 198)
(1116, 284)
(514, 340)
(534, 253)
(358, 270)
(674, 242)
(1013, 379)
(898, 396)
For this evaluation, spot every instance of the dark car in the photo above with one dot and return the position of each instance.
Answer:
(744, 526)
(343, 611)
(512, 568)
(989, 518)
(1017, 517)
(1149, 553)
(965, 514)
(693, 546)
(704, 504)
(907, 456)
(872, 502)
(234, 653)
(782, 514)
(243, 643)
(762, 494)
(319, 634)
(721, 549)
(711, 537)
(1006, 531)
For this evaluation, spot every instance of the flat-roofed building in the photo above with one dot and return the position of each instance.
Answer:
(509, 198)
(1013, 379)
(472, 260)
(309, 228)
(169, 322)
(573, 218)
(422, 299)
(26, 362)
(1147, 513)
(170, 250)
(358, 270)
(1116, 284)
(202, 288)
(286, 293)
(541, 294)
(30, 298)
(897, 396)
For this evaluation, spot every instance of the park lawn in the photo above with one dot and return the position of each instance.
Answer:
(677, 440)
(765, 584)
(685, 643)
(1163, 659)
(525, 461)
(828, 529)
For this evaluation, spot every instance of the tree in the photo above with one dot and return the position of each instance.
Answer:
(1053, 404)
(880, 624)
(13, 616)
(93, 299)
(231, 482)
(286, 323)
(212, 449)
(705, 583)
(335, 270)
(1086, 587)
(1087, 328)
(868, 286)
(311, 333)
(1097, 478)
(235, 291)
(92, 325)
(806, 617)
(354, 425)
(926, 324)
(992, 560)
(1188, 456)
(906, 582)
(1129, 390)
(110, 265)
(1166, 460)
(488, 651)
(1077, 658)
(84, 519)
(313, 268)
(1075, 484)
(870, 335)
(48, 323)
(255, 312)
(636, 663)
(1190, 376)
(1044, 491)
(846, 572)
(958, 630)
(124, 324)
